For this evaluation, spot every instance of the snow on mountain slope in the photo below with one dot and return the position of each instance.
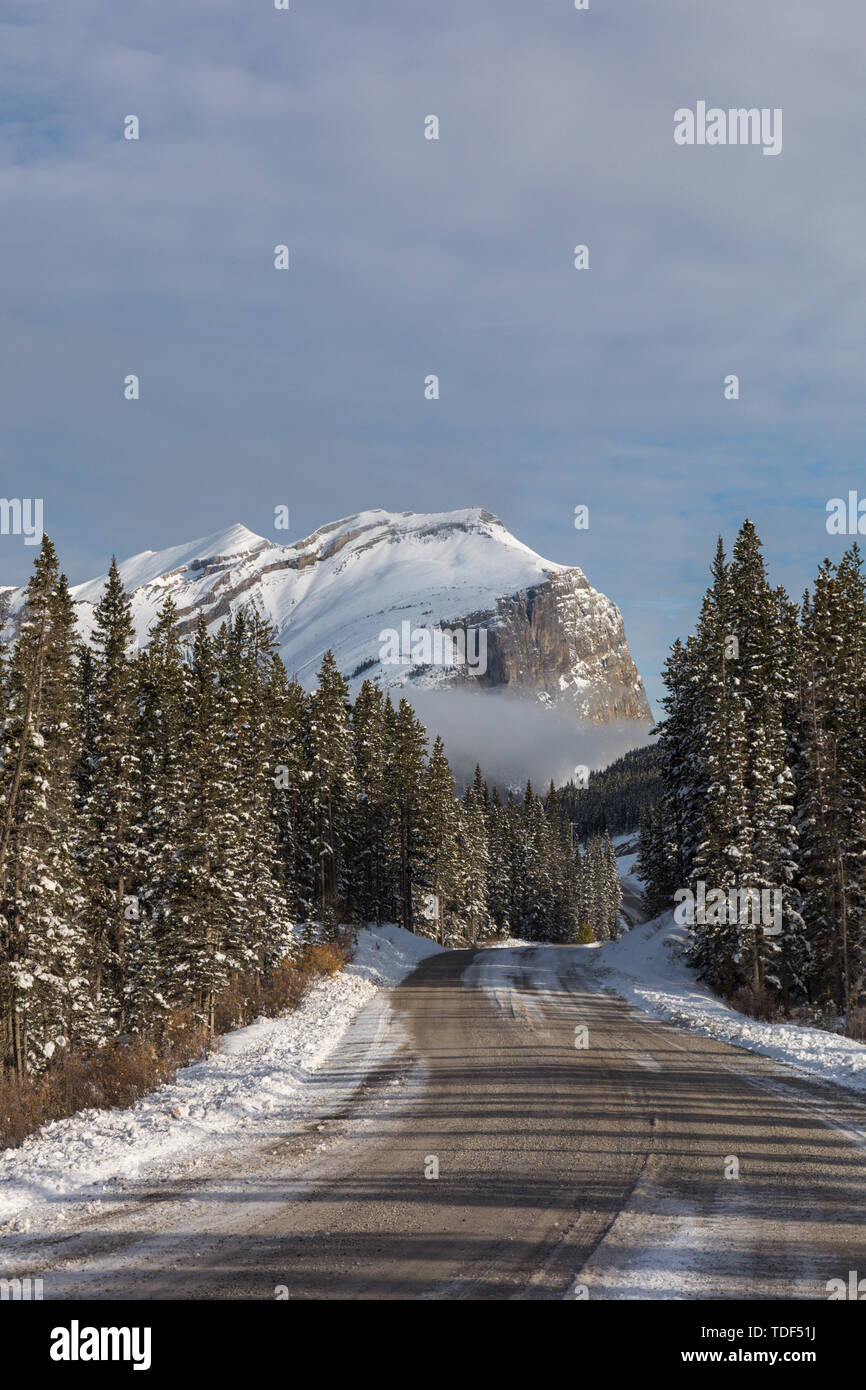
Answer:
(153, 566)
(550, 636)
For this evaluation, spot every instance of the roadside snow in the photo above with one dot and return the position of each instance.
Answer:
(258, 1078)
(647, 967)
(508, 943)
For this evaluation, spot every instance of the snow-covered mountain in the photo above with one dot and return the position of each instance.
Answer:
(549, 635)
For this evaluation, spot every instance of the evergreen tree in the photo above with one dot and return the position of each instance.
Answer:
(611, 888)
(408, 744)
(162, 698)
(472, 867)
(831, 795)
(331, 783)
(247, 667)
(757, 614)
(441, 835)
(499, 895)
(722, 857)
(45, 1000)
(195, 919)
(293, 800)
(112, 810)
(372, 882)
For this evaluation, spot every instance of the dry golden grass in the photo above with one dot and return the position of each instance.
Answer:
(121, 1073)
(757, 1002)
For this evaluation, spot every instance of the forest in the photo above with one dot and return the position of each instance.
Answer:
(179, 821)
(615, 796)
(763, 766)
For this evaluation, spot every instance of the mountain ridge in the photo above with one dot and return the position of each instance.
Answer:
(550, 636)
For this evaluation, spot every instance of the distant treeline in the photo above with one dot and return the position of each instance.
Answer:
(614, 798)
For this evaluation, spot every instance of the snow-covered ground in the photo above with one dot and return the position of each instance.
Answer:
(647, 967)
(266, 1079)
(507, 943)
(626, 863)
(258, 1079)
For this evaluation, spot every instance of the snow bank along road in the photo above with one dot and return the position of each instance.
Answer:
(563, 1171)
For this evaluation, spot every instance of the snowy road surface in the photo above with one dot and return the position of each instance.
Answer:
(563, 1171)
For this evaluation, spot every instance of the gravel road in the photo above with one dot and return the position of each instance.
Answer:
(564, 1171)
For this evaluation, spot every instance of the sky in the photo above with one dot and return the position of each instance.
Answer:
(304, 388)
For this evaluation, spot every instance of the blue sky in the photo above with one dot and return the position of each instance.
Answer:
(454, 257)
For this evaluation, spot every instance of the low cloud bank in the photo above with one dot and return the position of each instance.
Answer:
(514, 738)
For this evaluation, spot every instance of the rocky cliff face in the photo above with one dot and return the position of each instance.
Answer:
(550, 637)
(564, 644)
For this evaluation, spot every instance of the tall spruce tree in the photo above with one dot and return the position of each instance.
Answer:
(45, 999)
(112, 809)
(408, 829)
(195, 919)
(441, 823)
(372, 881)
(162, 700)
(332, 785)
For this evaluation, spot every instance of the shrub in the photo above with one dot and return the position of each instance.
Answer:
(326, 958)
(855, 1024)
(758, 1003)
(119, 1074)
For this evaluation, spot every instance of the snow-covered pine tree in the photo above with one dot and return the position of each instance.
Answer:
(161, 680)
(45, 999)
(567, 890)
(441, 843)
(545, 837)
(515, 860)
(612, 888)
(653, 864)
(195, 917)
(723, 856)
(473, 860)
(498, 875)
(408, 829)
(372, 882)
(332, 785)
(534, 886)
(584, 931)
(112, 809)
(293, 801)
(757, 616)
(831, 794)
(680, 809)
(591, 889)
(248, 675)
(481, 789)
(853, 759)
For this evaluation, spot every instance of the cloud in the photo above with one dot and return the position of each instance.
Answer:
(559, 387)
(513, 739)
